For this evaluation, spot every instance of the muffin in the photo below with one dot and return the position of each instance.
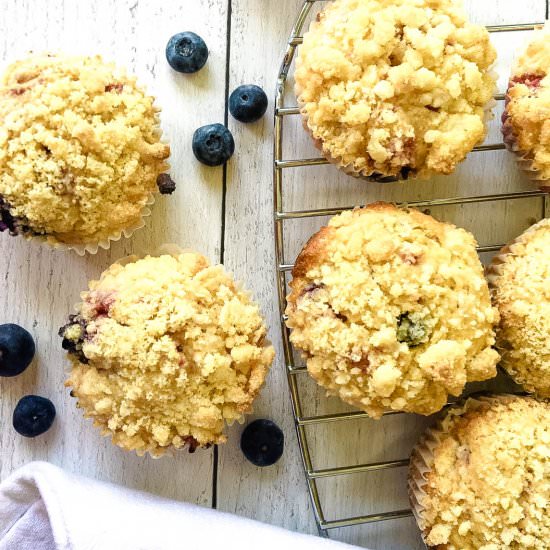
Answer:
(80, 150)
(519, 278)
(480, 480)
(164, 351)
(391, 310)
(395, 89)
(526, 126)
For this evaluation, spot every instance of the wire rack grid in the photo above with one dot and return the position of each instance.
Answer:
(280, 165)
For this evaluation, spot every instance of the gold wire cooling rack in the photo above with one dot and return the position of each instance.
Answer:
(282, 165)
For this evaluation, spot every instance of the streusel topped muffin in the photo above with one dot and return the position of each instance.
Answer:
(395, 88)
(526, 125)
(520, 281)
(80, 149)
(480, 480)
(392, 311)
(164, 351)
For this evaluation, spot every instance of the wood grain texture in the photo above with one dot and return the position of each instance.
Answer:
(276, 495)
(356, 442)
(39, 286)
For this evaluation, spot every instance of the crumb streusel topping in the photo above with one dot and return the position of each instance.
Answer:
(166, 350)
(528, 102)
(392, 311)
(80, 147)
(521, 292)
(489, 484)
(395, 88)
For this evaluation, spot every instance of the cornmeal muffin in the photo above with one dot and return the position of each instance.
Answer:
(164, 351)
(520, 280)
(392, 311)
(480, 480)
(526, 125)
(80, 149)
(395, 89)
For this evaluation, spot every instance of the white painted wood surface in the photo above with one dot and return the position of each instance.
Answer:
(38, 286)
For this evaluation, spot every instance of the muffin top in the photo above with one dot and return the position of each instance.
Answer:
(80, 148)
(392, 310)
(488, 484)
(520, 282)
(395, 88)
(164, 351)
(529, 101)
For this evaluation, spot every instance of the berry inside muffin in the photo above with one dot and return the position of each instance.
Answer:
(80, 149)
(392, 311)
(526, 125)
(395, 88)
(164, 351)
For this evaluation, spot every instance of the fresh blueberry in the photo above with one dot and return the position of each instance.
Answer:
(213, 144)
(248, 103)
(186, 52)
(16, 350)
(33, 415)
(262, 442)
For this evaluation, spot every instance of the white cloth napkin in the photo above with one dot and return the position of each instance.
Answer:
(44, 508)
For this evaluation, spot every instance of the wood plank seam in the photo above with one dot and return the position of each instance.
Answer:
(216, 458)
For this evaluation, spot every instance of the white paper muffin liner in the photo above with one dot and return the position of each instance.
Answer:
(422, 456)
(173, 250)
(94, 247)
(494, 270)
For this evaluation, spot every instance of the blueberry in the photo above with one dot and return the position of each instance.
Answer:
(262, 442)
(16, 350)
(186, 52)
(213, 144)
(248, 103)
(33, 415)
(166, 184)
(412, 330)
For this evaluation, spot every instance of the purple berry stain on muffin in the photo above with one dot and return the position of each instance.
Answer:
(529, 79)
(74, 335)
(99, 303)
(311, 288)
(116, 87)
(7, 221)
(14, 225)
(193, 444)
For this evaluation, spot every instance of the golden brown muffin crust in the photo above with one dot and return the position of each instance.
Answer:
(488, 484)
(395, 88)
(391, 310)
(166, 350)
(80, 147)
(526, 119)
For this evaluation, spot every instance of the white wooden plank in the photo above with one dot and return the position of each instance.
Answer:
(248, 207)
(278, 494)
(39, 287)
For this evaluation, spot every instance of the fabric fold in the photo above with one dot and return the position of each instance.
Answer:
(44, 508)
